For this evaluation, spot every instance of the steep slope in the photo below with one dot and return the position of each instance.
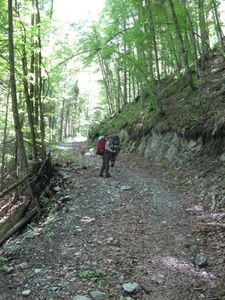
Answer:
(192, 115)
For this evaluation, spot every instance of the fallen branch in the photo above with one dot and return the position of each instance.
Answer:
(36, 182)
(207, 224)
(31, 176)
(18, 226)
(13, 186)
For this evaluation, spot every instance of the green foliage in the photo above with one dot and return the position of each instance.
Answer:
(127, 116)
(94, 276)
(3, 260)
(24, 251)
(45, 201)
(49, 234)
(5, 268)
(193, 247)
(51, 216)
(33, 224)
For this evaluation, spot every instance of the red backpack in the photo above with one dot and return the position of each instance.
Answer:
(101, 145)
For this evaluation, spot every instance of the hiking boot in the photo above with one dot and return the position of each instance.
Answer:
(100, 175)
(112, 164)
(108, 175)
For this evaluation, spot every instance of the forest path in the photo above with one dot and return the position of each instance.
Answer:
(130, 236)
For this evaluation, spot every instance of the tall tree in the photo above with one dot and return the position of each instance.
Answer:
(203, 32)
(18, 129)
(218, 27)
(183, 51)
(156, 52)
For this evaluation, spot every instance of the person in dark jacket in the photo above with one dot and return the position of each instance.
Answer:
(106, 158)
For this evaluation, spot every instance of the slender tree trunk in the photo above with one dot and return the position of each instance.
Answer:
(115, 91)
(66, 126)
(218, 26)
(106, 83)
(193, 42)
(204, 47)
(4, 146)
(183, 51)
(159, 92)
(118, 96)
(29, 92)
(18, 129)
(39, 82)
(61, 121)
(124, 67)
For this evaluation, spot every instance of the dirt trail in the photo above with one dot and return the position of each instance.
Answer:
(111, 231)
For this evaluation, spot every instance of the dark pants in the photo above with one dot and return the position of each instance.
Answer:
(113, 159)
(106, 157)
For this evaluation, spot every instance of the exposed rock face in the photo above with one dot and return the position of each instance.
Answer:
(168, 147)
(173, 148)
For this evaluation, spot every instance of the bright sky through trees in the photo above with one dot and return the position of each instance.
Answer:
(77, 10)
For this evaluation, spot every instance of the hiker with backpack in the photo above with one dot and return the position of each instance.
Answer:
(115, 145)
(106, 156)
